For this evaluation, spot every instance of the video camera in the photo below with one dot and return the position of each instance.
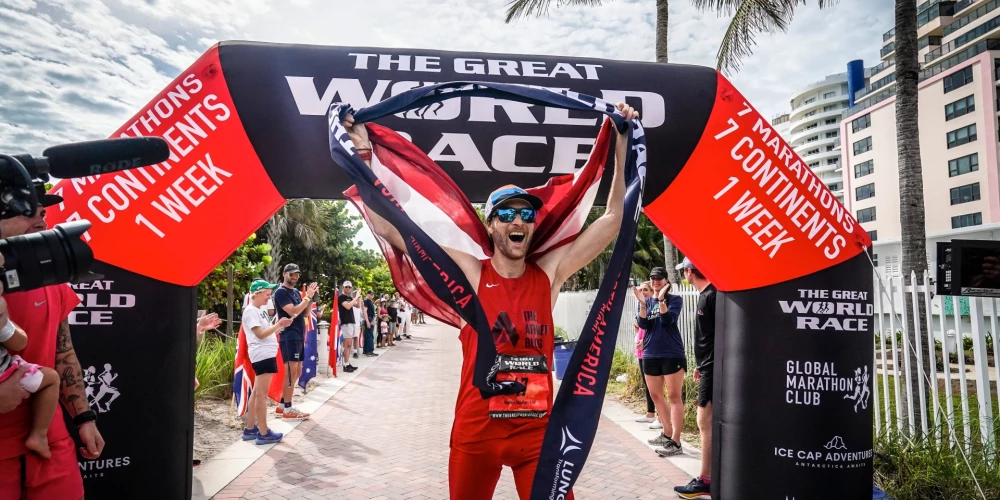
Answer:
(59, 255)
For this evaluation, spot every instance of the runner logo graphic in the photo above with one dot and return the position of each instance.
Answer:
(104, 388)
(861, 393)
(505, 331)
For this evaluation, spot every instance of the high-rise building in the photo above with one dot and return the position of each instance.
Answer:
(812, 127)
(958, 108)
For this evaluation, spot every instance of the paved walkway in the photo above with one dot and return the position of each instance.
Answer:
(385, 436)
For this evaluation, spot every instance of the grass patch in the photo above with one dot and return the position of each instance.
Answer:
(214, 367)
(958, 413)
(631, 393)
(925, 469)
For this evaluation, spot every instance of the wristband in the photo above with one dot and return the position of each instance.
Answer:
(7, 332)
(87, 416)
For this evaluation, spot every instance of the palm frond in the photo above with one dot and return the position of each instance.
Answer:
(750, 18)
(537, 8)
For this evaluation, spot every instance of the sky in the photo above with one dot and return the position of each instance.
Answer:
(73, 70)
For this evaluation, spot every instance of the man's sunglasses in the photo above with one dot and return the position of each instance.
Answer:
(507, 215)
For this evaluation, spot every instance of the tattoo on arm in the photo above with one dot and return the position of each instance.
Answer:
(72, 391)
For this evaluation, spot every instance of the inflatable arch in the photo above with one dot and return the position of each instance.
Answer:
(247, 128)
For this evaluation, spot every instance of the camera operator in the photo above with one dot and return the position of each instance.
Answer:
(43, 314)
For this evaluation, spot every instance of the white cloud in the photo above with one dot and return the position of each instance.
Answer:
(77, 69)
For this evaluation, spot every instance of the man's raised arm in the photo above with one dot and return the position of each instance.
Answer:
(561, 263)
(469, 264)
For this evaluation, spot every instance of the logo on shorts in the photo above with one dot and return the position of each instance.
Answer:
(105, 392)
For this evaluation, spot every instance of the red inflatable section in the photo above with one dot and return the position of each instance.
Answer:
(745, 193)
(170, 221)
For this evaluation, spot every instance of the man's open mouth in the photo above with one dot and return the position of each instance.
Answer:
(516, 237)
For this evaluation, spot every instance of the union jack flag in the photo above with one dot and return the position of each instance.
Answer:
(243, 375)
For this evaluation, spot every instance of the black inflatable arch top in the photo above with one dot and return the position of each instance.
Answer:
(247, 128)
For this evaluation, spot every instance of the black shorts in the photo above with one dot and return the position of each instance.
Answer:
(269, 365)
(291, 349)
(705, 387)
(658, 367)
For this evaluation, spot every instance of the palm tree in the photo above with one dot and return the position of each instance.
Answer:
(303, 220)
(911, 180)
(749, 18)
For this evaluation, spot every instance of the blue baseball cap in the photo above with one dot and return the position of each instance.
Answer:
(686, 264)
(507, 193)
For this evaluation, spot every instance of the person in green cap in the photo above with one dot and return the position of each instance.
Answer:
(262, 346)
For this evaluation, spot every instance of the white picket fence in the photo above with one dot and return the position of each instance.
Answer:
(950, 409)
(896, 311)
(571, 311)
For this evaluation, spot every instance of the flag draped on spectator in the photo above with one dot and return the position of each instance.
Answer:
(309, 355)
(447, 294)
(243, 375)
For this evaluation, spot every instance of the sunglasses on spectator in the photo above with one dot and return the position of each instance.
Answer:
(507, 214)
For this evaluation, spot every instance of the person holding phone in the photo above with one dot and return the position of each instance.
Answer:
(347, 301)
(262, 347)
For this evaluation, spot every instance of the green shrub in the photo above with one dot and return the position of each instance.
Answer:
(214, 367)
(926, 469)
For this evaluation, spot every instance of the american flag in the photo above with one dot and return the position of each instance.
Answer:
(435, 203)
(243, 375)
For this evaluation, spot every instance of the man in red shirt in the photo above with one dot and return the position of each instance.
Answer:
(517, 297)
(43, 314)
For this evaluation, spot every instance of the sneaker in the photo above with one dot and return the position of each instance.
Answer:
(355, 355)
(292, 413)
(249, 434)
(696, 489)
(661, 440)
(656, 425)
(645, 420)
(670, 449)
(270, 438)
(279, 409)
(350, 369)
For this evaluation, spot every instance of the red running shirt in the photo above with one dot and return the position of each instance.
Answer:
(527, 302)
(39, 313)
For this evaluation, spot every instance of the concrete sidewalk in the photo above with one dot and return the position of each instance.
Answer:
(383, 434)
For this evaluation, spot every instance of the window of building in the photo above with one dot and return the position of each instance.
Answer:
(864, 192)
(843, 89)
(960, 107)
(958, 79)
(961, 136)
(967, 220)
(832, 133)
(863, 169)
(809, 101)
(829, 95)
(830, 147)
(810, 113)
(830, 121)
(861, 123)
(836, 186)
(813, 138)
(866, 214)
(810, 127)
(831, 161)
(814, 164)
(963, 165)
(964, 194)
(831, 107)
(812, 151)
(863, 145)
(874, 236)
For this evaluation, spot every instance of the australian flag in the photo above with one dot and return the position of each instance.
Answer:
(310, 354)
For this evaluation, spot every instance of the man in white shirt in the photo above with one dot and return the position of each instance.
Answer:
(262, 347)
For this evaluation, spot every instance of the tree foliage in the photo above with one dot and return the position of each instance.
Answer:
(247, 262)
